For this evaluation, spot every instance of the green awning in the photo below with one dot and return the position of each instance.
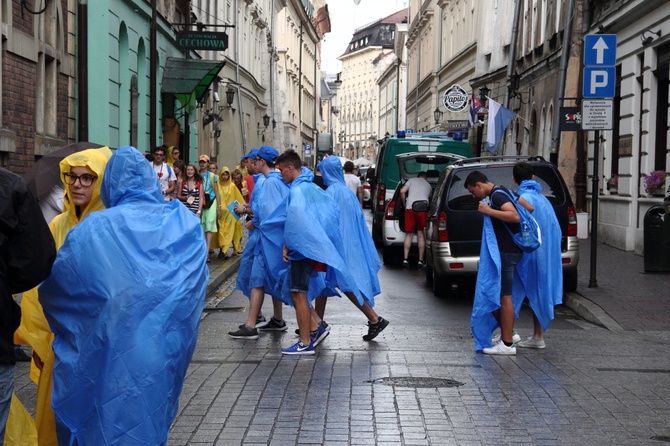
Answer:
(189, 79)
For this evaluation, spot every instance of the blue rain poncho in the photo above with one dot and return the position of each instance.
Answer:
(124, 300)
(359, 249)
(254, 270)
(541, 270)
(307, 224)
(487, 289)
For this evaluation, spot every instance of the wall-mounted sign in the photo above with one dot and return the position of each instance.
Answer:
(455, 99)
(571, 119)
(202, 40)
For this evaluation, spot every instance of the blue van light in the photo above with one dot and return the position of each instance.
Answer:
(401, 134)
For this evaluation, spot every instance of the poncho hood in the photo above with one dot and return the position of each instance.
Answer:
(96, 160)
(130, 178)
(331, 170)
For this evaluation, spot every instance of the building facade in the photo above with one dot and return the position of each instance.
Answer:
(38, 77)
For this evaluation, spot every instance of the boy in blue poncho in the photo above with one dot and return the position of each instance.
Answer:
(311, 237)
(124, 301)
(254, 278)
(359, 249)
(498, 260)
(541, 269)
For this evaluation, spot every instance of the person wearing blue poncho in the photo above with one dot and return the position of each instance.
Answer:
(498, 260)
(359, 249)
(541, 269)
(124, 301)
(254, 278)
(311, 241)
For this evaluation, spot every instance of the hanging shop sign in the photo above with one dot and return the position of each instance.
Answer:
(202, 41)
(455, 99)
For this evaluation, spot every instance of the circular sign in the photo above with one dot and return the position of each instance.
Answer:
(455, 99)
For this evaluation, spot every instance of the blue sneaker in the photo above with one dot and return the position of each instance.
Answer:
(318, 335)
(299, 349)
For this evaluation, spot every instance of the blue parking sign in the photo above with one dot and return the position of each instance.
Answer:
(599, 82)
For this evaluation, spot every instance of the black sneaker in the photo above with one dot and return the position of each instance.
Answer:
(274, 325)
(405, 263)
(375, 329)
(261, 321)
(244, 333)
(421, 264)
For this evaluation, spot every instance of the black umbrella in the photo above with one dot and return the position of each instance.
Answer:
(45, 174)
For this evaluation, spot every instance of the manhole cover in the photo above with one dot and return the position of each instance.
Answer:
(418, 382)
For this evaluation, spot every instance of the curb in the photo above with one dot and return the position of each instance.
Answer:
(590, 311)
(220, 273)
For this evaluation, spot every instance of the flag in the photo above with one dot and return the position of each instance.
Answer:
(499, 119)
(475, 106)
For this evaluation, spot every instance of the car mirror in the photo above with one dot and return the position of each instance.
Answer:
(420, 206)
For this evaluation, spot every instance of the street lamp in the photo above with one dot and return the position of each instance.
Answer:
(230, 96)
(437, 114)
(483, 92)
(266, 121)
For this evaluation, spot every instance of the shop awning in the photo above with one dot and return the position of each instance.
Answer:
(189, 79)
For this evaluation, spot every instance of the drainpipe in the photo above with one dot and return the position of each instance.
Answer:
(315, 130)
(237, 78)
(397, 99)
(300, 88)
(153, 82)
(580, 170)
(565, 56)
(418, 79)
(512, 52)
(272, 70)
(82, 71)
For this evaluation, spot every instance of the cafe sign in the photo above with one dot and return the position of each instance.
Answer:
(202, 40)
(455, 99)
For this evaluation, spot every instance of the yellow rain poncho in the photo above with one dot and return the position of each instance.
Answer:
(230, 228)
(34, 328)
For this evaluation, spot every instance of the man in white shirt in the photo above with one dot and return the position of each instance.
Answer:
(164, 172)
(415, 189)
(352, 181)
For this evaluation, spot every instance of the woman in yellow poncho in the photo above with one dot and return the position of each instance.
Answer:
(81, 174)
(230, 228)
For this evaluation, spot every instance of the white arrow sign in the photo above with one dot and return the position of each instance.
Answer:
(600, 48)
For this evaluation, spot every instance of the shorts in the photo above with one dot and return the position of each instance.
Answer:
(509, 262)
(415, 221)
(208, 218)
(301, 271)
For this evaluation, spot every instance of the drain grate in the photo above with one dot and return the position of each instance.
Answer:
(218, 361)
(417, 382)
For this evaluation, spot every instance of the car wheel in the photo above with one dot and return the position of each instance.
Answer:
(388, 255)
(440, 285)
(429, 275)
(570, 280)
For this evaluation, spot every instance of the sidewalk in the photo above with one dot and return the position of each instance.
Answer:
(625, 298)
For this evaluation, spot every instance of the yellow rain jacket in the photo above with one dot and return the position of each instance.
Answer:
(34, 328)
(230, 228)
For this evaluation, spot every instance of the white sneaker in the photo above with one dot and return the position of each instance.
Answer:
(500, 349)
(531, 343)
(497, 338)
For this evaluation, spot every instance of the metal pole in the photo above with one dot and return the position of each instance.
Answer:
(593, 283)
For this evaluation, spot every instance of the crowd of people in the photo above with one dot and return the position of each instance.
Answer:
(206, 191)
(124, 215)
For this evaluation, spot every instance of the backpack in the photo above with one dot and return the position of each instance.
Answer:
(529, 237)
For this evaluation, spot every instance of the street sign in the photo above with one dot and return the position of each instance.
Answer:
(600, 50)
(597, 114)
(571, 119)
(599, 82)
(308, 148)
(599, 60)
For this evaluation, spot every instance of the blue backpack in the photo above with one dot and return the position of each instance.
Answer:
(529, 237)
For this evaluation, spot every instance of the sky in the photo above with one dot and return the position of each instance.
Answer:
(345, 16)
